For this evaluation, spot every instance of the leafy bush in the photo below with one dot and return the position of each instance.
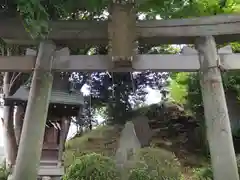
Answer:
(147, 164)
(140, 174)
(152, 163)
(203, 173)
(207, 172)
(92, 167)
(3, 173)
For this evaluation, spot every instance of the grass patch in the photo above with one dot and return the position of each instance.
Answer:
(104, 140)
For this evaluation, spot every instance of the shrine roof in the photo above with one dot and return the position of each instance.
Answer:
(57, 97)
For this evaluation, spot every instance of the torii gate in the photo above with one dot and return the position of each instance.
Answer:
(203, 32)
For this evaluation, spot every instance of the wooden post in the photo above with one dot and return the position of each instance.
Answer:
(65, 124)
(30, 147)
(216, 114)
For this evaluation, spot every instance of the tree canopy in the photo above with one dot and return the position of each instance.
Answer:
(185, 87)
(35, 14)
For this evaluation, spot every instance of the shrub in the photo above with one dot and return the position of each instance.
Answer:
(203, 173)
(92, 167)
(147, 164)
(139, 174)
(207, 172)
(3, 173)
(154, 164)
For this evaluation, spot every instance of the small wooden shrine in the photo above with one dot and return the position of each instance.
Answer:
(64, 104)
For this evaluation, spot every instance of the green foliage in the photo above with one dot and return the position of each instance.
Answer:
(185, 89)
(178, 87)
(92, 167)
(204, 173)
(153, 163)
(92, 141)
(36, 14)
(35, 17)
(196, 8)
(188, 8)
(3, 173)
(149, 164)
(164, 8)
(140, 173)
(232, 82)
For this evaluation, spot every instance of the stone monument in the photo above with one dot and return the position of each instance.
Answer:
(135, 135)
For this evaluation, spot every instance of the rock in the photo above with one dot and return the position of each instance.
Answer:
(135, 135)
(143, 131)
(128, 144)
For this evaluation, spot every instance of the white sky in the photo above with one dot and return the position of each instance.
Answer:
(153, 97)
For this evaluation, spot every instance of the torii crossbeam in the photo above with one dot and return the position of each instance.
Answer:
(155, 62)
(225, 28)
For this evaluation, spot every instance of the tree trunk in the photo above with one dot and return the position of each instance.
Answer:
(216, 113)
(12, 82)
(8, 127)
(19, 115)
(31, 141)
(10, 144)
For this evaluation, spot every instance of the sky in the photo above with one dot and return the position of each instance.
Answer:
(152, 97)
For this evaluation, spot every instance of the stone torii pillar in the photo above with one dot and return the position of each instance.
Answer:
(219, 133)
(30, 146)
